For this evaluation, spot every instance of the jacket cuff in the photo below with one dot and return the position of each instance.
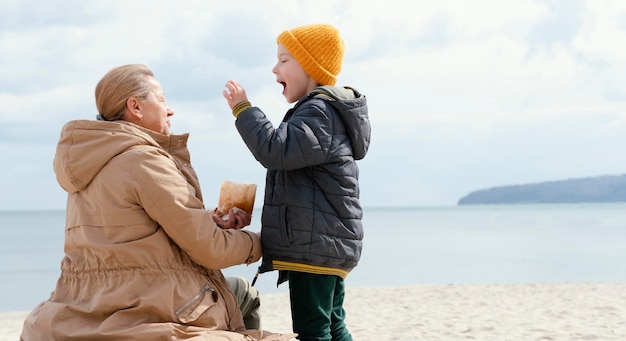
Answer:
(255, 249)
(239, 108)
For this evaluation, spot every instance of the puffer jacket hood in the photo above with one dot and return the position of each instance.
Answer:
(352, 107)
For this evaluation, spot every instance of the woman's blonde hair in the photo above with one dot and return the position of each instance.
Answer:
(118, 85)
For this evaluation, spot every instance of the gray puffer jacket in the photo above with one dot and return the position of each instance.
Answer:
(311, 212)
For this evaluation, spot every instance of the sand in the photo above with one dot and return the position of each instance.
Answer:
(534, 312)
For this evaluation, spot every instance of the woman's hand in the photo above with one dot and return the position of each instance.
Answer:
(236, 219)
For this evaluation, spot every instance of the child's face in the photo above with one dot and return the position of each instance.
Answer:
(296, 82)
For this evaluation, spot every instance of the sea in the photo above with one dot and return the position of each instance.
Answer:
(443, 245)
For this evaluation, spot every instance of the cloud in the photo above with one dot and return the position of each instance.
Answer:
(462, 95)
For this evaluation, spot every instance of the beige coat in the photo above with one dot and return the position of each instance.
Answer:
(142, 254)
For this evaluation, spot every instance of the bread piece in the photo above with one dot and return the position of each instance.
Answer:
(233, 194)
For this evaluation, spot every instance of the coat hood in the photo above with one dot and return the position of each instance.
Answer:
(352, 107)
(85, 146)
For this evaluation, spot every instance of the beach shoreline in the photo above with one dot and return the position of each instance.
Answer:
(538, 312)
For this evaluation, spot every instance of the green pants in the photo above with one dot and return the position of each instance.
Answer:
(317, 307)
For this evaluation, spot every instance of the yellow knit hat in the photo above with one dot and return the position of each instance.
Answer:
(318, 48)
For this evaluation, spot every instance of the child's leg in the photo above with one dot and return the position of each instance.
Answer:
(338, 328)
(316, 307)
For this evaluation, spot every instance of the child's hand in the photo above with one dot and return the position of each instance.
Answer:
(234, 94)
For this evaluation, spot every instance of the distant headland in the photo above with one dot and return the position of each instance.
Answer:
(599, 189)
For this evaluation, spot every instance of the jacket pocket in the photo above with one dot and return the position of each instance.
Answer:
(201, 302)
(275, 231)
(283, 226)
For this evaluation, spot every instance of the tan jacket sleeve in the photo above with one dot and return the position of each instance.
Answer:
(167, 198)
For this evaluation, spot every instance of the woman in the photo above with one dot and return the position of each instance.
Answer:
(142, 254)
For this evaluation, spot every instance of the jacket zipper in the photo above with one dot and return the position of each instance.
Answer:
(198, 296)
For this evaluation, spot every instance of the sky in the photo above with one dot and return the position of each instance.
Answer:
(462, 95)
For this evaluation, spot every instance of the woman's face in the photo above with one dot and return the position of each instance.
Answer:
(156, 113)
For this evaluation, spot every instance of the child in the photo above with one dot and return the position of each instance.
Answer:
(311, 221)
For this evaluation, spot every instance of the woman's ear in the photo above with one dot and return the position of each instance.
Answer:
(133, 110)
